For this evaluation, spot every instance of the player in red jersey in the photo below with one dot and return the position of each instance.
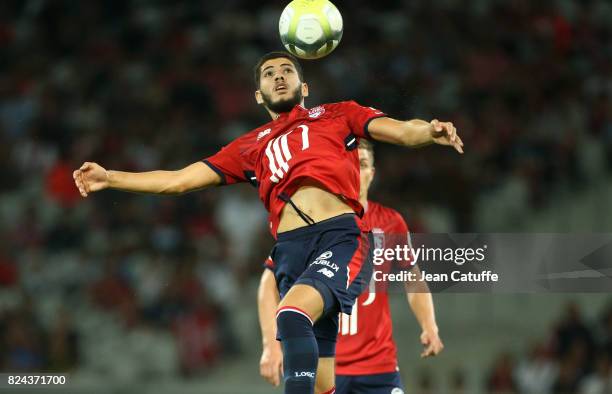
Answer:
(305, 166)
(366, 355)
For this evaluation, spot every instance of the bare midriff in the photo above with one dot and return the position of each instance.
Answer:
(317, 203)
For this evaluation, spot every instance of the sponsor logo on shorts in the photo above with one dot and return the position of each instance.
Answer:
(323, 260)
(326, 272)
(325, 255)
(327, 264)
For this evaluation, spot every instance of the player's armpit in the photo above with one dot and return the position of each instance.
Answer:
(412, 133)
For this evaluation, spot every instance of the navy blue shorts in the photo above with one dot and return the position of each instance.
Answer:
(383, 383)
(333, 256)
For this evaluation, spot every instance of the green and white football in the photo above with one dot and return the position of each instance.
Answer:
(310, 29)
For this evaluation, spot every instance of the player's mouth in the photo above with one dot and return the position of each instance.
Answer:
(280, 87)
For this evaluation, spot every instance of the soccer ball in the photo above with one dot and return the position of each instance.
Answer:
(310, 29)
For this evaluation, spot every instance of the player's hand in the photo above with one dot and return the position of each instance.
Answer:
(431, 342)
(444, 133)
(271, 363)
(91, 177)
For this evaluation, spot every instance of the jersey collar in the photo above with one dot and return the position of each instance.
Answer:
(294, 113)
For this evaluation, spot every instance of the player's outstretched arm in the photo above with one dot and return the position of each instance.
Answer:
(415, 133)
(421, 303)
(271, 363)
(92, 177)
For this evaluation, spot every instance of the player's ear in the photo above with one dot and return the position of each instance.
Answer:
(258, 97)
(304, 89)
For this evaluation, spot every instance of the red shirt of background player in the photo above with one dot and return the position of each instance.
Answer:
(365, 339)
(318, 143)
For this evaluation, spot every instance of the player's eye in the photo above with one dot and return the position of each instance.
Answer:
(288, 70)
(268, 73)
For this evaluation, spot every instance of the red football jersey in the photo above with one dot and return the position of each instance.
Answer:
(365, 338)
(317, 144)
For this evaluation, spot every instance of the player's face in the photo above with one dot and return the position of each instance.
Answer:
(280, 88)
(366, 172)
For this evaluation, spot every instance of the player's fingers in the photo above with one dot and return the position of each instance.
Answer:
(79, 185)
(85, 184)
(278, 372)
(433, 349)
(436, 124)
(457, 145)
(265, 372)
(437, 348)
(448, 130)
(85, 166)
(459, 140)
(276, 377)
(453, 132)
(427, 352)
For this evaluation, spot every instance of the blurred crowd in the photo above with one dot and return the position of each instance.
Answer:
(575, 359)
(139, 85)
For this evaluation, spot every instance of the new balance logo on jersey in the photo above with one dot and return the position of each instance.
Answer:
(263, 134)
(305, 373)
(326, 272)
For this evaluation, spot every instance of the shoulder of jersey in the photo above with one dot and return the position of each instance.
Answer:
(257, 134)
(337, 106)
(385, 214)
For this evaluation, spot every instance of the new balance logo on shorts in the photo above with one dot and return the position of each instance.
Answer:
(326, 272)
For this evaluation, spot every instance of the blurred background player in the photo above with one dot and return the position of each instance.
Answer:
(366, 355)
(305, 165)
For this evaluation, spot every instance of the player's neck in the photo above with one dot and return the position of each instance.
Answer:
(276, 115)
(364, 202)
(273, 114)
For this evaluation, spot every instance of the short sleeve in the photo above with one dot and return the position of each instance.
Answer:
(359, 117)
(228, 163)
(269, 264)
